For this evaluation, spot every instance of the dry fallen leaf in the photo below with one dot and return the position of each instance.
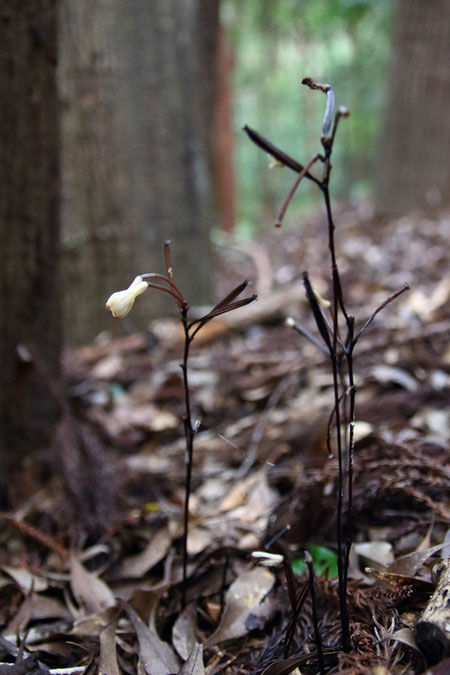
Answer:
(156, 655)
(409, 564)
(376, 551)
(46, 607)
(25, 579)
(406, 636)
(244, 598)
(199, 538)
(387, 374)
(250, 499)
(137, 565)
(21, 619)
(194, 664)
(108, 658)
(108, 367)
(184, 632)
(361, 430)
(91, 593)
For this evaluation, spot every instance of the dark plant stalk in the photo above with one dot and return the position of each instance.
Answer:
(293, 189)
(312, 593)
(189, 432)
(340, 350)
(338, 302)
(226, 563)
(303, 331)
(121, 302)
(297, 600)
(190, 331)
(278, 154)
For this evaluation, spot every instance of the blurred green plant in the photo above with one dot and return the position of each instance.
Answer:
(324, 560)
(274, 42)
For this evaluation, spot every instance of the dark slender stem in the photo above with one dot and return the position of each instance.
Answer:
(163, 288)
(168, 260)
(293, 189)
(189, 434)
(225, 305)
(290, 584)
(299, 602)
(337, 119)
(226, 563)
(330, 425)
(199, 323)
(351, 442)
(340, 351)
(384, 304)
(312, 592)
(337, 288)
(173, 287)
(311, 338)
(330, 330)
(277, 536)
(337, 303)
(279, 155)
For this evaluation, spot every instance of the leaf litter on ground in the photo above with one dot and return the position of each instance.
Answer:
(260, 464)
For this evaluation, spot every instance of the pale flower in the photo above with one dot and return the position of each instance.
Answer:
(121, 302)
(267, 559)
(325, 304)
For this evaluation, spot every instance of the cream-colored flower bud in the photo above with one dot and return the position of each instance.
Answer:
(325, 304)
(121, 302)
(274, 163)
(267, 559)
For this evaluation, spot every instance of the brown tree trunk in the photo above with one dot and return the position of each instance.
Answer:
(29, 288)
(137, 81)
(224, 135)
(413, 167)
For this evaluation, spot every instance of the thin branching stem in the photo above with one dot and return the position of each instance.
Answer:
(337, 303)
(339, 349)
(227, 304)
(163, 288)
(350, 444)
(190, 331)
(384, 304)
(278, 154)
(174, 290)
(312, 593)
(293, 189)
(189, 435)
(311, 338)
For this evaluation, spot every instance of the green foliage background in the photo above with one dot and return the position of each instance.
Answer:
(276, 43)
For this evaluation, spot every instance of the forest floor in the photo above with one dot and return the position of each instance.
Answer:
(90, 576)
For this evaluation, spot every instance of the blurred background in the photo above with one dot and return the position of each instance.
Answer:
(120, 127)
(273, 45)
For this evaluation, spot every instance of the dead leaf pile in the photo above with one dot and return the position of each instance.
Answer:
(108, 598)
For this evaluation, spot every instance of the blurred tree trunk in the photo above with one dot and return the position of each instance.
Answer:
(224, 135)
(29, 288)
(413, 166)
(137, 81)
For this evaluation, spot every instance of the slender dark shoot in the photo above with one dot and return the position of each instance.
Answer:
(312, 593)
(120, 304)
(330, 322)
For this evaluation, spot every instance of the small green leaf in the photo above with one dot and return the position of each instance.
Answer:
(298, 566)
(325, 562)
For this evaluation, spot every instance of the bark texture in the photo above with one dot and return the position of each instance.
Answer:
(137, 81)
(29, 288)
(413, 167)
(433, 627)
